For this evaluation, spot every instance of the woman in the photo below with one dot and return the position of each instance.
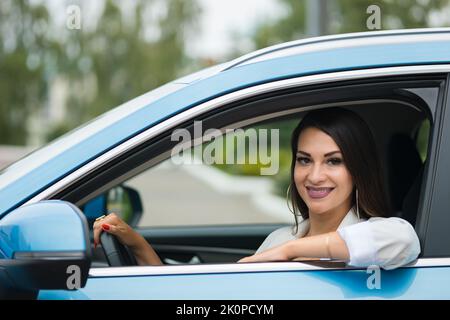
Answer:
(336, 187)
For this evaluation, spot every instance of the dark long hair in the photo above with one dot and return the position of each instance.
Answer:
(355, 140)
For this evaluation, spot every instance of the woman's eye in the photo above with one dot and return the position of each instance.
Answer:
(303, 160)
(334, 161)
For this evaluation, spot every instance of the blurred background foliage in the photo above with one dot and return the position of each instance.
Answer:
(344, 16)
(92, 70)
(133, 48)
(52, 78)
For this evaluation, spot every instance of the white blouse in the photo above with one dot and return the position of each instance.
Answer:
(386, 242)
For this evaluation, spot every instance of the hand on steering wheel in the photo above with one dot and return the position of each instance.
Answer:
(115, 235)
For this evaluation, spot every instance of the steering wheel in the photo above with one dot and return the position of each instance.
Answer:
(117, 254)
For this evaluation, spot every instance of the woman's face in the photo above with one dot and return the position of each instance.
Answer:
(320, 175)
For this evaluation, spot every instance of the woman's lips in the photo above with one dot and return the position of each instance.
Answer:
(318, 193)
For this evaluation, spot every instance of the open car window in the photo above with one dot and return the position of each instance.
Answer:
(199, 209)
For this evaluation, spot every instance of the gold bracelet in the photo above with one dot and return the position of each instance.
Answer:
(101, 217)
(327, 241)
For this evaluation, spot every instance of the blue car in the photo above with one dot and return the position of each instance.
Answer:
(398, 81)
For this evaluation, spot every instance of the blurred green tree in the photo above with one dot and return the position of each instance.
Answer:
(345, 16)
(132, 48)
(22, 74)
(128, 54)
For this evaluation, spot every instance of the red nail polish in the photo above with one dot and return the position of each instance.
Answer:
(105, 227)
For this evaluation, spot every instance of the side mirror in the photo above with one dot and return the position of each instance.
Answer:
(43, 246)
(122, 200)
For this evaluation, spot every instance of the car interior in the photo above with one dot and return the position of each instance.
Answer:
(399, 112)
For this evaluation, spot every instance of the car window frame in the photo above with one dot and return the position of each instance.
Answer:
(366, 73)
(363, 78)
(345, 102)
(161, 156)
(437, 201)
(302, 81)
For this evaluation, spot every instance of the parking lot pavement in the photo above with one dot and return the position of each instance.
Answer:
(202, 195)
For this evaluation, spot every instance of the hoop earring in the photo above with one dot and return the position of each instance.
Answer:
(357, 205)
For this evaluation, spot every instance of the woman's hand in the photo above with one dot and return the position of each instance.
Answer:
(328, 245)
(275, 254)
(114, 225)
(142, 250)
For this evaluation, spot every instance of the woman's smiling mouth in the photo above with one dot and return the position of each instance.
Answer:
(318, 193)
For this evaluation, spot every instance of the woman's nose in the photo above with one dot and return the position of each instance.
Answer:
(316, 175)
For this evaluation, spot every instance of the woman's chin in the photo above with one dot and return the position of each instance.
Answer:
(318, 209)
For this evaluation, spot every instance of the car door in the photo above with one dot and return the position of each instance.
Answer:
(290, 280)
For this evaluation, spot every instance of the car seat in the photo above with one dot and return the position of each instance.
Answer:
(405, 176)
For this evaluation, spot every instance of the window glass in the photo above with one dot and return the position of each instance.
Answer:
(422, 139)
(238, 178)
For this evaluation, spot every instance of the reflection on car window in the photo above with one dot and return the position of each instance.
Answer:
(423, 134)
(218, 193)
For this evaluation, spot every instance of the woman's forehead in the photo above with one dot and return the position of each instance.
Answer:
(315, 141)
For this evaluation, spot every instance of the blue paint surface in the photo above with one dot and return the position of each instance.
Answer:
(404, 283)
(42, 227)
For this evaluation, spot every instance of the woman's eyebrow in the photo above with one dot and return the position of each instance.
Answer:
(326, 154)
(331, 153)
(304, 153)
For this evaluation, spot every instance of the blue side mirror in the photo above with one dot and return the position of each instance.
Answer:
(43, 246)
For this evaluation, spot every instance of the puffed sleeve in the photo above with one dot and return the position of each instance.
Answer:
(386, 242)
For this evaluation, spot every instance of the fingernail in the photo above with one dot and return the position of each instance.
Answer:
(95, 244)
(105, 227)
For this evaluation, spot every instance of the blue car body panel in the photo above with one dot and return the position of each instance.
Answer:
(403, 283)
(22, 189)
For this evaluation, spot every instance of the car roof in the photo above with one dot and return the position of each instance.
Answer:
(24, 179)
(347, 40)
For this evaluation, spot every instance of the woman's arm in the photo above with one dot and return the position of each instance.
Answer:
(144, 254)
(329, 245)
(386, 242)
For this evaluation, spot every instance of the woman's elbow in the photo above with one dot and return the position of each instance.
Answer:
(403, 247)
